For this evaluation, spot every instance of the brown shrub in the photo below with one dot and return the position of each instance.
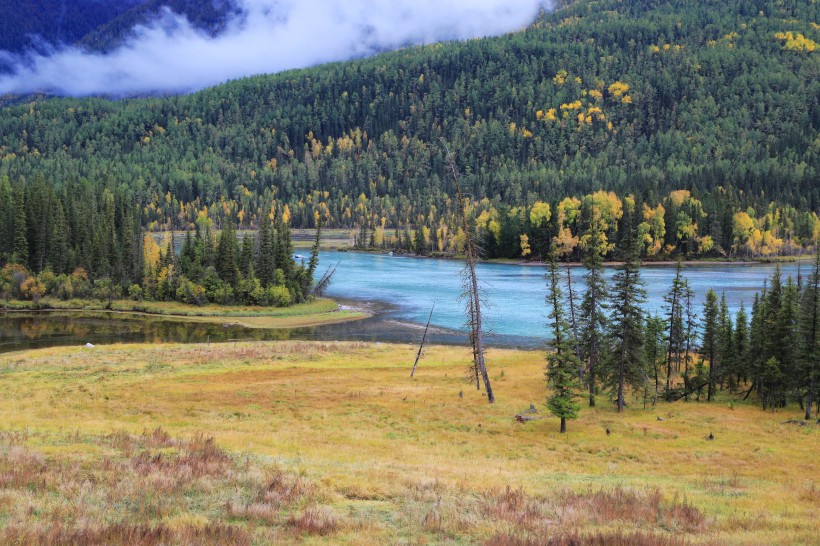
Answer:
(316, 520)
(514, 506)
(22, 469)
(629, 506)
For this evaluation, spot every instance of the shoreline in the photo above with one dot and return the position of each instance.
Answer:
(660, 263)
(319, 313)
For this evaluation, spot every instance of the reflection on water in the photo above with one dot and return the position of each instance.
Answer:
(27, 330)
(400, 290)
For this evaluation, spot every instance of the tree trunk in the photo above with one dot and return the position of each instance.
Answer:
(563, 424)
(574, 326)
(621, 376)
(469, 247)
(423, 339)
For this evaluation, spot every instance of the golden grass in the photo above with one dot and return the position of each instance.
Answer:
(315, 313)
(334, 442)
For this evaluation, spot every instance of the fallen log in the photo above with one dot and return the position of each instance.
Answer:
(524, 418)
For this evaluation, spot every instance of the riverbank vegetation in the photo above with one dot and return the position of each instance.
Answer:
(333, 442)
(99, 250)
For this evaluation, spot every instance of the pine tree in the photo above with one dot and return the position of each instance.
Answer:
(226, 255)
(809, 336)
(593, 316)
(20, 248)
(653, 349)
(265, 253)
(786, 329)
(689, 335)
(246, 256)
(709, 339)
(562, 364)
(7, 218)
(59, 241)
(674, 322)
(740, 366)
(626, 329)
(725, 345)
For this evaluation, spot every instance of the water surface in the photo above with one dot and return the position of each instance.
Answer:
(401, 291)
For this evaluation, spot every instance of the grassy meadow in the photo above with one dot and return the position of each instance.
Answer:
(257, 443)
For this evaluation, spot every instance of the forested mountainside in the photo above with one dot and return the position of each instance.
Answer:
(50, 22)
(96, 24)
(209, 16)
(702, 116)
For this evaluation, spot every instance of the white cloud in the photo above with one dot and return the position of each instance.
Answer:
(170, 56)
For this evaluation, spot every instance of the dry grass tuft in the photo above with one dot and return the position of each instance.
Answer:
(315, 520)
(283, 490)
(125, 534)
(616, 538)
(620, 504)
(514, 506)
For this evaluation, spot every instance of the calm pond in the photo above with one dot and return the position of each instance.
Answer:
(401, 291)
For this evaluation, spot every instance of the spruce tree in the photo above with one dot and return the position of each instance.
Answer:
(593, 316)
(809, 336)
(725, 345)
(626, 328)
(710, 340)
(227, 255)
(674, 324)
(562, 363)
(740, 366)
(246, 256)
(653, 349)
(265, 254)
(20, 248)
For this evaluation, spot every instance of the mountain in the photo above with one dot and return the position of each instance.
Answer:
(210, 16)
(721, 98)
(48, 23)
(98, 25)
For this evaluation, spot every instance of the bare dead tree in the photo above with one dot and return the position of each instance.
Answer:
(423, 340)
(471, 253)
(324, 281)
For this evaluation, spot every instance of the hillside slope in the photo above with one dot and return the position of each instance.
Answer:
(635, 97)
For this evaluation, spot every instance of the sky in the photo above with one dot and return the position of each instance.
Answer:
(169, 56)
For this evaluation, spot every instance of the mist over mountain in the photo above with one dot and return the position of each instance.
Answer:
(169, 47)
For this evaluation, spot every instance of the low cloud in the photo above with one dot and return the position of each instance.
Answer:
(171, 56)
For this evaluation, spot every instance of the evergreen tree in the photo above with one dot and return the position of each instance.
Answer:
(626, 323)
(809, 337)
(740, 366)
(265, 255)
(674, 322)
(710, 340)
(20, 248)
(725, 345)
(593, 316)
(246, 256)
(562, 364)
(59, 241)
(653, 350)
(226, 255)
(419, 247)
